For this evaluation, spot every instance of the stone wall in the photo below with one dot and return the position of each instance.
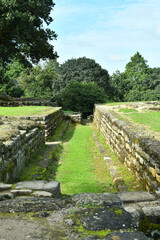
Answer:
(18, 151)
(18, 103)
(49, 121)
(74, 117)
(136, 149)
(20, 139)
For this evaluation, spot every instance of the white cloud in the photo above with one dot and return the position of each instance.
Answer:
(112, 33)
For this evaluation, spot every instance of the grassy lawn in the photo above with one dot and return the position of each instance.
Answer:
(127, 110)
(151, 119)
(25, 111)
(82, 168)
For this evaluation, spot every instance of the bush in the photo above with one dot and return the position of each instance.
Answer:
(80, 97)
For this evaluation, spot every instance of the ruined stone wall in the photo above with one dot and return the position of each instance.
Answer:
(137, 150)
(49, 121)
(18, 103)
(21, 138)
(18, 151)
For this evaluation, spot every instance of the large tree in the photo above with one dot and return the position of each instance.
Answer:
(136, 71)
(39, 81)
(8, 79)
(83, 70)
(22, 32)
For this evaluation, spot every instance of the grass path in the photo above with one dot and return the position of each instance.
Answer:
(82, 166)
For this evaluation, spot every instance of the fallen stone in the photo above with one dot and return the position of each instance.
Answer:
(21, 192)
(134, 213)
(105, 218)
(152, 213)
(52, 186)
(97, 199)
(5, 186)
(1, 198)
(42, 194)
(128, 197)
(126, 236)
(32, 204)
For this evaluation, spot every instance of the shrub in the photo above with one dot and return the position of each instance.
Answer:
(80, 97)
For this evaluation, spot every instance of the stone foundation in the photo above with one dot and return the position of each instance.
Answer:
(136, 149)
(49, 121)
(18, 151)
(20, 139)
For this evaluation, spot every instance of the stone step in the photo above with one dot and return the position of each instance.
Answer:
(52, 186)
(137, 196)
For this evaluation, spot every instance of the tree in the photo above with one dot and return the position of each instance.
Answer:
(38, 82)
(21, 31)
(83, 70)
(8, 79)
(119, 85)
(81, 97)
(136, 72)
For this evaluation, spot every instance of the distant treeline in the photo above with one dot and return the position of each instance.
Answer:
(79, 83)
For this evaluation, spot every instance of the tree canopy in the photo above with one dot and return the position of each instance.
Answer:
(136, 71)
(39, 81)
(81, 97)
(138, 82)
(22, 34)
(83, 70)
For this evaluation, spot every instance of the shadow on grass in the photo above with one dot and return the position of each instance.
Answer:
(35, 169)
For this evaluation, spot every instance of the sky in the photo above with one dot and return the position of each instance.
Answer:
(108, 31)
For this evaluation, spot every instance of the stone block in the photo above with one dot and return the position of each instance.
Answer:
(51, 186)
(5, 186)
(21, 192)
(152, 213)
(42, 194)
(128, 197)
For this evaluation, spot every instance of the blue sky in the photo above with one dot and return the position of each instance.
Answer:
(108, 31)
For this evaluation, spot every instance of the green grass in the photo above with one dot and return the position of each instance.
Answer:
(127, 110)
(151, 119)
(82, 168)
(25, 111)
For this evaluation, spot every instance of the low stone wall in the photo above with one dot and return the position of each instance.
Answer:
(18, 151)
(18, 103)
(49, 121)
(20, 139)
(74, 117)
(137, 150)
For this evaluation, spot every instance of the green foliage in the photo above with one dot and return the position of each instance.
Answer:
(137, 83)
(80, 97)
(148, 227)
(22, 34)
(8, 79)
(119, 85)
(83, 70)
(39, 81)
